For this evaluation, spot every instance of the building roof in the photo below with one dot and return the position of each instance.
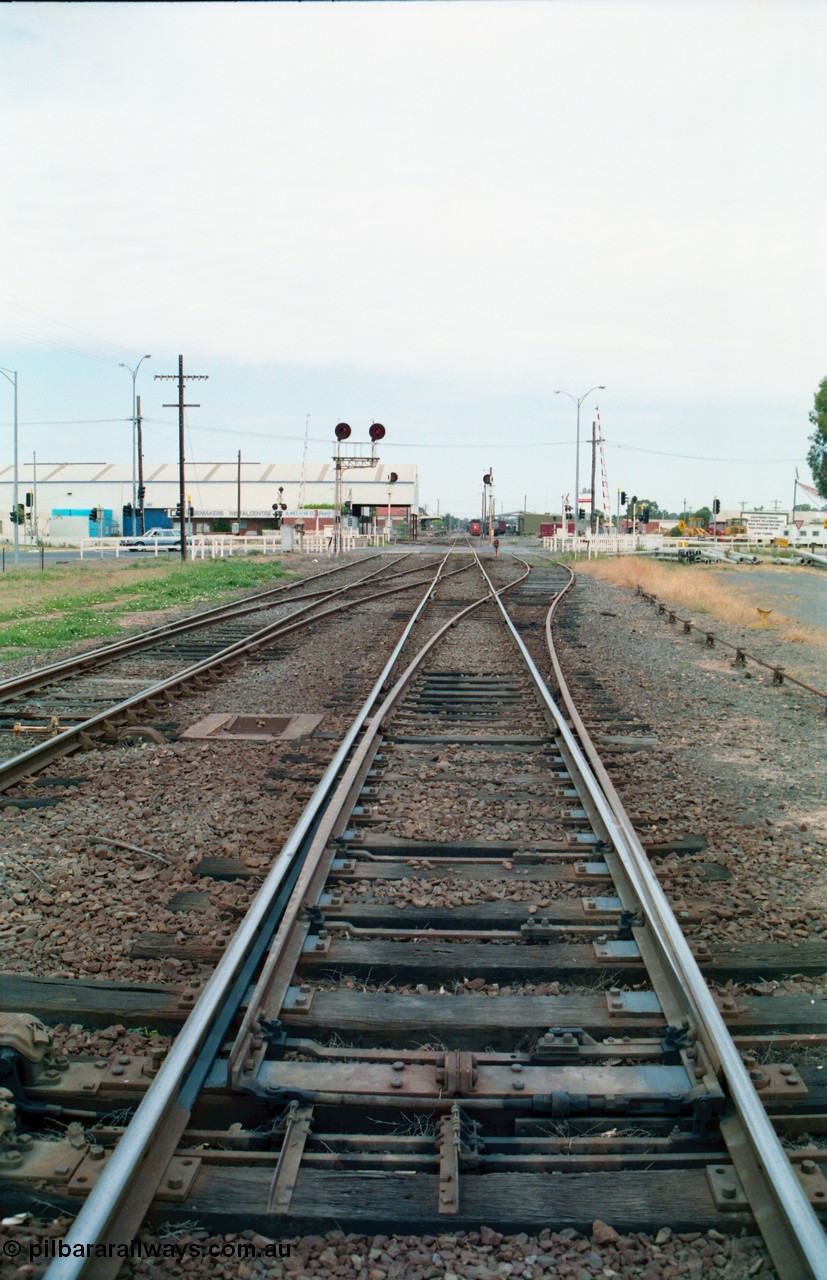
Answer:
(213, 486)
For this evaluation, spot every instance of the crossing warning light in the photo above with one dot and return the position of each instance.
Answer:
(342, 431)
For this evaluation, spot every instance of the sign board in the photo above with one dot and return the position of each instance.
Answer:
(765, 524)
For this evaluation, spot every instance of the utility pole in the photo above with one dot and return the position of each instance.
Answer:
(238, 493)
(141, 489)
(181, 378)
(594, 463)
(35, 538)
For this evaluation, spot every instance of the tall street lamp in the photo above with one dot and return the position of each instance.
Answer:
(11, 376)
(578, 400)
(134, 373)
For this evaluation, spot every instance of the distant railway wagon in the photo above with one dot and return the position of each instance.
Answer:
(475, 528)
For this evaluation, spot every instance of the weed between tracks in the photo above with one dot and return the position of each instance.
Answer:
(82, 601)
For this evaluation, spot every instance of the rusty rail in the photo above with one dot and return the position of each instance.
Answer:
(779, 674)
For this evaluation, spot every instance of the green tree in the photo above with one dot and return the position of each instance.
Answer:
(817, 455)
(655, 512)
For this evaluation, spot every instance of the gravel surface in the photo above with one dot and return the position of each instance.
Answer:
(735, 762)
(738, 760)
(475, 1255)
(181, 801)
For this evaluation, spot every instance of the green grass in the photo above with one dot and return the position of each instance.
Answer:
(30, 600)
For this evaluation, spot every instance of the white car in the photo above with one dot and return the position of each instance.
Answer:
(163, 539)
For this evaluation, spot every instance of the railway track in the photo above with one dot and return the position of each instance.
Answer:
(460, 996)
(109, 691)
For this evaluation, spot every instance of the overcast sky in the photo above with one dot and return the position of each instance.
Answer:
(428, 214)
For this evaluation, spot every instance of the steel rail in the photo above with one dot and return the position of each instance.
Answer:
(160, 1102)
(351, 778)
(143, 639)
(781, 1209)
(27, 762)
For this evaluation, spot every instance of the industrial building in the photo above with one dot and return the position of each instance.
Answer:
(57, 497)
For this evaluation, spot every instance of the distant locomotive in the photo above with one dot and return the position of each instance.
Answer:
(475, 528)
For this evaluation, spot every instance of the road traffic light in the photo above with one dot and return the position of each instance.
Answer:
(716, 505)
(93, 515)
(623, 497)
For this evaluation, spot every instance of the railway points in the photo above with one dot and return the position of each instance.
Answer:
(450, 988)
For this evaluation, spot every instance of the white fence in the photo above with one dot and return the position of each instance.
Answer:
(214, 546)
(624, 544)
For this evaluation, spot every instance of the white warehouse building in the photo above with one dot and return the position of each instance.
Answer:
(63, 493)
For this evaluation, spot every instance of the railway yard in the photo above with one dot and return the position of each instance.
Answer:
(428, 916)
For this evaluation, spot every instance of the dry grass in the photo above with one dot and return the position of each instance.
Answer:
(692, 592)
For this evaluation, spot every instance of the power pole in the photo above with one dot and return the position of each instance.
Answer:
(490, 506)
(238, 493)
(594, 464)
(141, 490)
(181, 378)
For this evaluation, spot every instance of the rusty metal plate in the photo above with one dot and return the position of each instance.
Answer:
(362, 1080)
(174, 1186)
(813, 1183)
(249, 727)
(777, 1081)
(617, 950)
(622, 1003)
(178, 1178)
(726, 1188)
(52, 1161)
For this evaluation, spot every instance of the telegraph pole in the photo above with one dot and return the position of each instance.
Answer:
(181, 378)
(141, 489)
(594, 460)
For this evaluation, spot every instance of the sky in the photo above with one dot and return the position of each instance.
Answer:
(432, 215)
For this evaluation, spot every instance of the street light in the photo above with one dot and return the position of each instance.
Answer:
(134, 373)
(578, 401)
(11, 376)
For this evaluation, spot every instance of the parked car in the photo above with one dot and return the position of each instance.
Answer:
(163, 539)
